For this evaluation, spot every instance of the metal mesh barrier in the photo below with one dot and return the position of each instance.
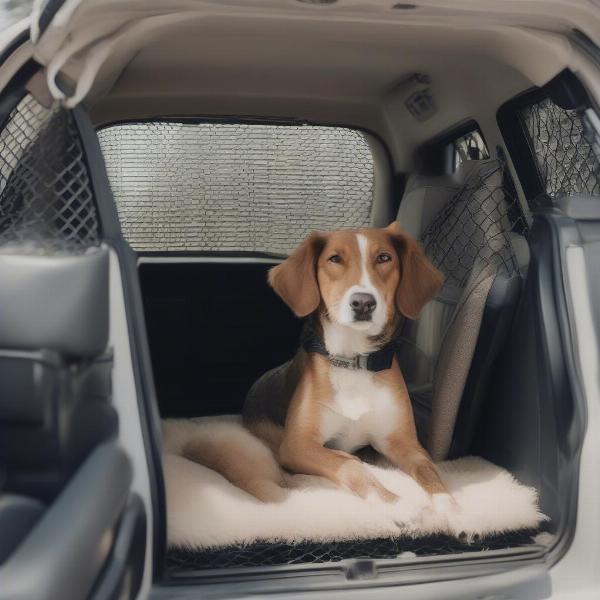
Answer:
(46, 200)
(232, 187)
(564, 148)
(273, 553)
(471, 236)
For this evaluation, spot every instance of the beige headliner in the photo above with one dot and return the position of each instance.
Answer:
(343, 63)
(334, 72)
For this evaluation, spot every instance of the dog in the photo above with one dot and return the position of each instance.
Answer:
(343, 390)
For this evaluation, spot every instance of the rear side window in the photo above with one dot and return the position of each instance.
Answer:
(563, 147)
(235, 187)
(446, 152)
(470, 146)
(46, 200)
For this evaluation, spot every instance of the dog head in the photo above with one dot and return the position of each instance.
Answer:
(358, 278)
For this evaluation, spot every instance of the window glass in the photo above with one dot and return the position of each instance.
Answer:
(564, 149)
(235, 187)
(46, 200)
(468, 147)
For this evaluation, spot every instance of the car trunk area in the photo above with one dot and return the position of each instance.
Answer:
(206, 202)
(214, 326)
(191, 147)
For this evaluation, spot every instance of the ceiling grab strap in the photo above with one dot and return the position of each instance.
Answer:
(80, 58)
(52, 71)
(92, 56)
(56, 27)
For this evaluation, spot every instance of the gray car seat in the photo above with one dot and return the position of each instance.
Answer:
(466, 223)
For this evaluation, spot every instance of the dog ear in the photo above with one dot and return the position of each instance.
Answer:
(295, 279)
(420, 281)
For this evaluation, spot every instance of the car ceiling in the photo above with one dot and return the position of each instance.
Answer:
(346, 63)
(353, 73)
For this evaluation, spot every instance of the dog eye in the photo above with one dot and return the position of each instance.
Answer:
(383, 257)
(336, 258)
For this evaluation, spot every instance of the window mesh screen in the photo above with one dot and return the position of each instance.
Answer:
(230, 187)
(471, 236)
(46, 199)
(564, 149)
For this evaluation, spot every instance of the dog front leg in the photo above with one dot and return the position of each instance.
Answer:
(414, 460)
(403, 450)
(309, 457)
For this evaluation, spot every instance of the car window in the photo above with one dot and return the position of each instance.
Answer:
(444, 153)
(567, 157)
(46, 201)
(470, 146)
(235, 187)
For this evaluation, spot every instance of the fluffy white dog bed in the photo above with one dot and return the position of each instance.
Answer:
(204, 510)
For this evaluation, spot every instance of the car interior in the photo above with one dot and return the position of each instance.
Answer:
(441, 171)
(208, 146)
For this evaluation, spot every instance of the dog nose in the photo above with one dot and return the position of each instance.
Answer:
(362, 304)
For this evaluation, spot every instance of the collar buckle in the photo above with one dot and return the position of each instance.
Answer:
(360, 361)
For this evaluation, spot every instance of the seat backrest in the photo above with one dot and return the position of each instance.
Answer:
(55, 369)
(464, 222)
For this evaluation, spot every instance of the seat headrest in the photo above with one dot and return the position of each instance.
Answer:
(423, 199)
(57, 303)
(425, 196)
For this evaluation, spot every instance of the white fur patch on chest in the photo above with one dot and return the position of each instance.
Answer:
(361, 411)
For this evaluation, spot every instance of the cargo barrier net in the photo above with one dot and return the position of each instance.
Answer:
(46, 200)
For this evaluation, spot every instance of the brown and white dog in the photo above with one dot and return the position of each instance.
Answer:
(332, 398)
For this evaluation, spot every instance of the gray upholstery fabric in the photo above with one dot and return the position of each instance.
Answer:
(452, 369)
(463, 224)
(521, 250)
(421, 341)
(423, 199)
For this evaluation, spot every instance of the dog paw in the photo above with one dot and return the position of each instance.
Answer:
(354, 477)
(445, 505)
(444, 514)
(405, 516)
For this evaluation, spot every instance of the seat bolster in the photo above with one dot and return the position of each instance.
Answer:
(453, 367)
(464, 223)
(521, 251)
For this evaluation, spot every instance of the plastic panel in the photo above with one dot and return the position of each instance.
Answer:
(532, 425)
(51, 418)
(41, 568)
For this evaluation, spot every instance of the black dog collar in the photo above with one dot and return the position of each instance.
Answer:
(379, 360)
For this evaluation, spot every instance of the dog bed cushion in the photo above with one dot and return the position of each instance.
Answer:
(205, 511)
